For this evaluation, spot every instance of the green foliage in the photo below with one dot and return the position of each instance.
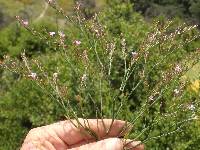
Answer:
(194, 8)
(23, 106)
(14, 39)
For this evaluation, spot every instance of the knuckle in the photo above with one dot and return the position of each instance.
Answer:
(116, 141)
(33, 131)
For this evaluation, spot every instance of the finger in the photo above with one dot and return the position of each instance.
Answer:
(133, 145)
(28, 145)
(72, 135)
(111, 144)
(129, 144)
(37, 146)
(42, 135)
(107, 144)
(63, 134)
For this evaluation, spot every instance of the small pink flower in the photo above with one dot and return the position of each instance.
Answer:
(176, 91)
(25, 22)
(178, 68)
(61, 34)
(191, 107)
(32, 75)
(151, 98)
(50, 1)
(52, 33)
(84, 78)
(76, 42)
(134, 55)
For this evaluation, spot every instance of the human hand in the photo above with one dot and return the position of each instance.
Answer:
(65, 136)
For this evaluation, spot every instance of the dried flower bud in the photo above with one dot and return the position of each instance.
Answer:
(83, 80)
(151, 98)
(17, 17)
(55, 75)
(97, 31)
(78, 5)
(195, 117)
(123, 40)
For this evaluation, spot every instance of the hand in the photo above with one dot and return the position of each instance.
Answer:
(65, 136)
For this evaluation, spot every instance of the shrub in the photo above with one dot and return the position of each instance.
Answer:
(14, 39)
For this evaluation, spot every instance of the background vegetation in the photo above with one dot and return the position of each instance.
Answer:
(24, 106)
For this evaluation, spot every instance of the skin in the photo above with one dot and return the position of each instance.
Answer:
(65, 135)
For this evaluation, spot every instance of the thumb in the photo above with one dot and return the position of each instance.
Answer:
(112, 144)
(106, 144)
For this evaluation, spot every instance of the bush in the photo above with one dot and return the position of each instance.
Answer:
(14, 39)
(23, 106)
(185, 9)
